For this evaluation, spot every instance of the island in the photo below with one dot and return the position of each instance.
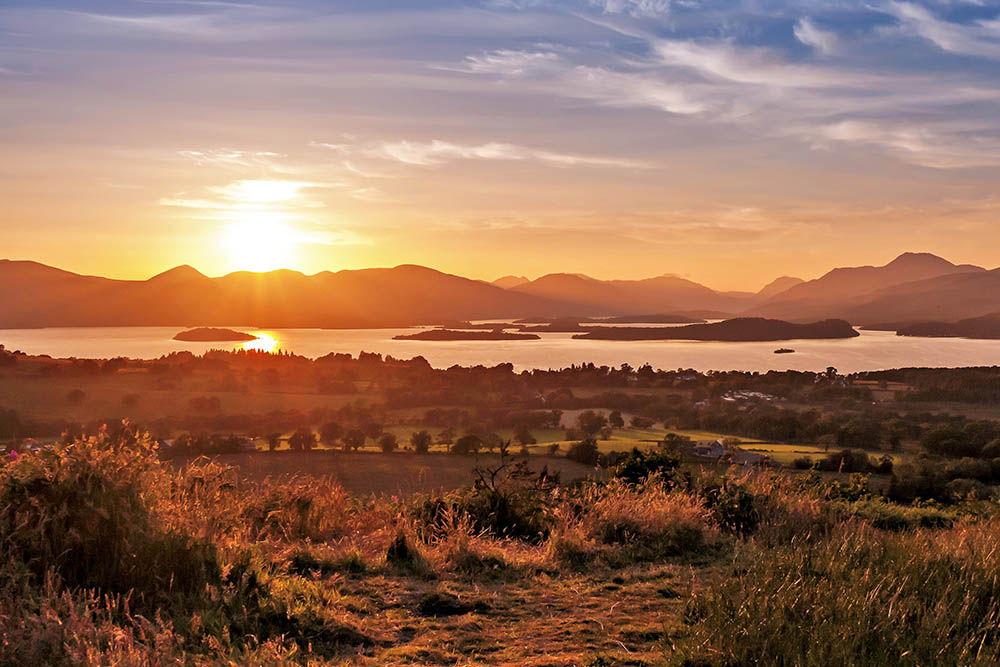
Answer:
(452, 335)
(986, 327)
(740, 329)
(213, 335)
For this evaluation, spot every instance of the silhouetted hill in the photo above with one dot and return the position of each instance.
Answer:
(615, 297)
(738, 329)
(839, 292)
(35, 295)
(507, 282)
(947, 298)
(987, 327)
(778, 285)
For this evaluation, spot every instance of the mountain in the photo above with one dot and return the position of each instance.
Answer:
(507, 282)
(619, 297)
(947, 298)
(985, 327)
(839, 292)
(737, 329)
(35, 295)
(778, 285)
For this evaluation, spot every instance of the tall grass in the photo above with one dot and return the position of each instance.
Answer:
(859, 597)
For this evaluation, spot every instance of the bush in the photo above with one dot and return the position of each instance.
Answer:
(733, 507)
(637, 466)
(79, 513)
(508, 500)
(585, 452)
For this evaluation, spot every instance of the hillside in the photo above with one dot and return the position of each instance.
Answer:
(840, 292)
(738, 329)
(35, 295)
(985, 327)
(614, 297)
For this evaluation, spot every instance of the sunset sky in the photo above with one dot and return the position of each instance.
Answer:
(726, 142)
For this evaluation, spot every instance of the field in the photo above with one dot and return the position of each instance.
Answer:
(370, 472)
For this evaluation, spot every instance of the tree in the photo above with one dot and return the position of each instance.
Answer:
(523, 435)
(467, 444)
(330, 433)
(591, 423)
(615, 419)
(273, 441)
(76, 396)
(421, 441)
(585, 452)
(373, 430)
(302, 440)
(354, 439)
(446, 437)
(388, 443)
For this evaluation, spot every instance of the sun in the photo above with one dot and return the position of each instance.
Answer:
(259, 243)
(266, 342)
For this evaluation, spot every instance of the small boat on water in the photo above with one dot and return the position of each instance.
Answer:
(784, 350)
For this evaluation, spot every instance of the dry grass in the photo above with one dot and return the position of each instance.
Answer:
(754, 568)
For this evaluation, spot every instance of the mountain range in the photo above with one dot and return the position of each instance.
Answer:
(914, 287)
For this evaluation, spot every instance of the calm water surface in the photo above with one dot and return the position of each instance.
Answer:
(873, 350)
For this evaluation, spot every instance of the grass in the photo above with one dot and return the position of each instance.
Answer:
(110, 556)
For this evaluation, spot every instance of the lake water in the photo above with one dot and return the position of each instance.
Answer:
(873, 350)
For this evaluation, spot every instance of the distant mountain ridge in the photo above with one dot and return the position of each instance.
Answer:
(35, 295)
(914, 287)
(850, 293)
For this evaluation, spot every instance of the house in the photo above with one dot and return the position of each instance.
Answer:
(741, 457)
(707, 449)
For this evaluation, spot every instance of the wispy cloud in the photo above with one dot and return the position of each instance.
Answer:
(980, 39)
(436, 152)
(809, 34)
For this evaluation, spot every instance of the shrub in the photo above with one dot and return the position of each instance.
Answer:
(508, 500)
(634, 524)
(637, 466)
(403, 555)
(585, 452)
(733, 506)
(79, 514)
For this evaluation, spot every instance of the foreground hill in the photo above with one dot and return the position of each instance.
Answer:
(739, 329)
(35, 295)
(845, 292)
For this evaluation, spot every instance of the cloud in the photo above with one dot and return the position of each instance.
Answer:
(919, 144)
(981, 39)
(637, 8)
(823, 41)
(508, 62)
(436, 152)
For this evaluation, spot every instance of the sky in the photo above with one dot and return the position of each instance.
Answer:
(725, 141)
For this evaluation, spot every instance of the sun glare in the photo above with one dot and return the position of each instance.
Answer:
(265, 342)
(259, 244)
